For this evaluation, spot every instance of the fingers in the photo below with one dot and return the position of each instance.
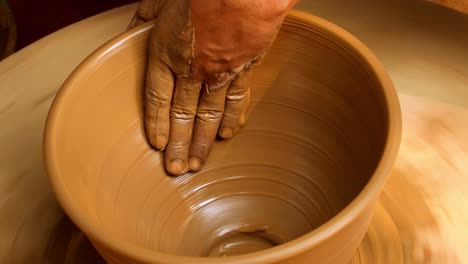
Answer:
(237, 100)
(158, 94)
(183, 110)
(209, 115)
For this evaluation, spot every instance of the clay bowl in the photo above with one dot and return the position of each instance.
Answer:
(299, 183)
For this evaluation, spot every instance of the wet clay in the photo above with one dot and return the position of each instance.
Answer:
(299, 182)
(407, 222)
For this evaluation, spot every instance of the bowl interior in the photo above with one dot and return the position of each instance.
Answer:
(316, 130)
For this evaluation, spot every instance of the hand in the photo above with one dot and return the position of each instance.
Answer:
(199, 55)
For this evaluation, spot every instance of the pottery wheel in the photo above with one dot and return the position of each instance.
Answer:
(422, 215)
(424, 208)
(418, 220)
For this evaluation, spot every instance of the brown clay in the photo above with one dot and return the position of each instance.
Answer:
(407, 222)
(300, 182)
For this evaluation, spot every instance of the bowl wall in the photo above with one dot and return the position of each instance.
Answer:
(288, 187)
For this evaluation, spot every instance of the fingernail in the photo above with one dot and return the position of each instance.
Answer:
(226, 132)
(161, 141)
(176, 167)
(195, 164)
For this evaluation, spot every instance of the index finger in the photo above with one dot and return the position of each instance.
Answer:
(183, 110)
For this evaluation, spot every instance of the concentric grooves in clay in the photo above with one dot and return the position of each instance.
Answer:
(315, 133)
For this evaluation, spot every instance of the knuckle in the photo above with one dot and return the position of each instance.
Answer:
(155, 97)
(198, 145)
(232, 114)
(235, 96)
(165, 78)
(223, 77)
(209, 115)
(255, 62)
(178, 144)
(162, 124)
(182, 114)
(154, 125)
(219, 80)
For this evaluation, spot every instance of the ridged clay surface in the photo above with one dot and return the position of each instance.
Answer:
(323, 121)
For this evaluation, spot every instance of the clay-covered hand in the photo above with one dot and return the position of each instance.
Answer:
(199, 54)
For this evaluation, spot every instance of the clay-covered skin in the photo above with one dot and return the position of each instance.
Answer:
(323, 121)
(200, 52)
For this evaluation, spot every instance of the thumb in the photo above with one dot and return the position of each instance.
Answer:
(147, 10)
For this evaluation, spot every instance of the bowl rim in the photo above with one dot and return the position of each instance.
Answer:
(368, 195)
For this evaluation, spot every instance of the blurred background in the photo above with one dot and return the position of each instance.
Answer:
(25, 21)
